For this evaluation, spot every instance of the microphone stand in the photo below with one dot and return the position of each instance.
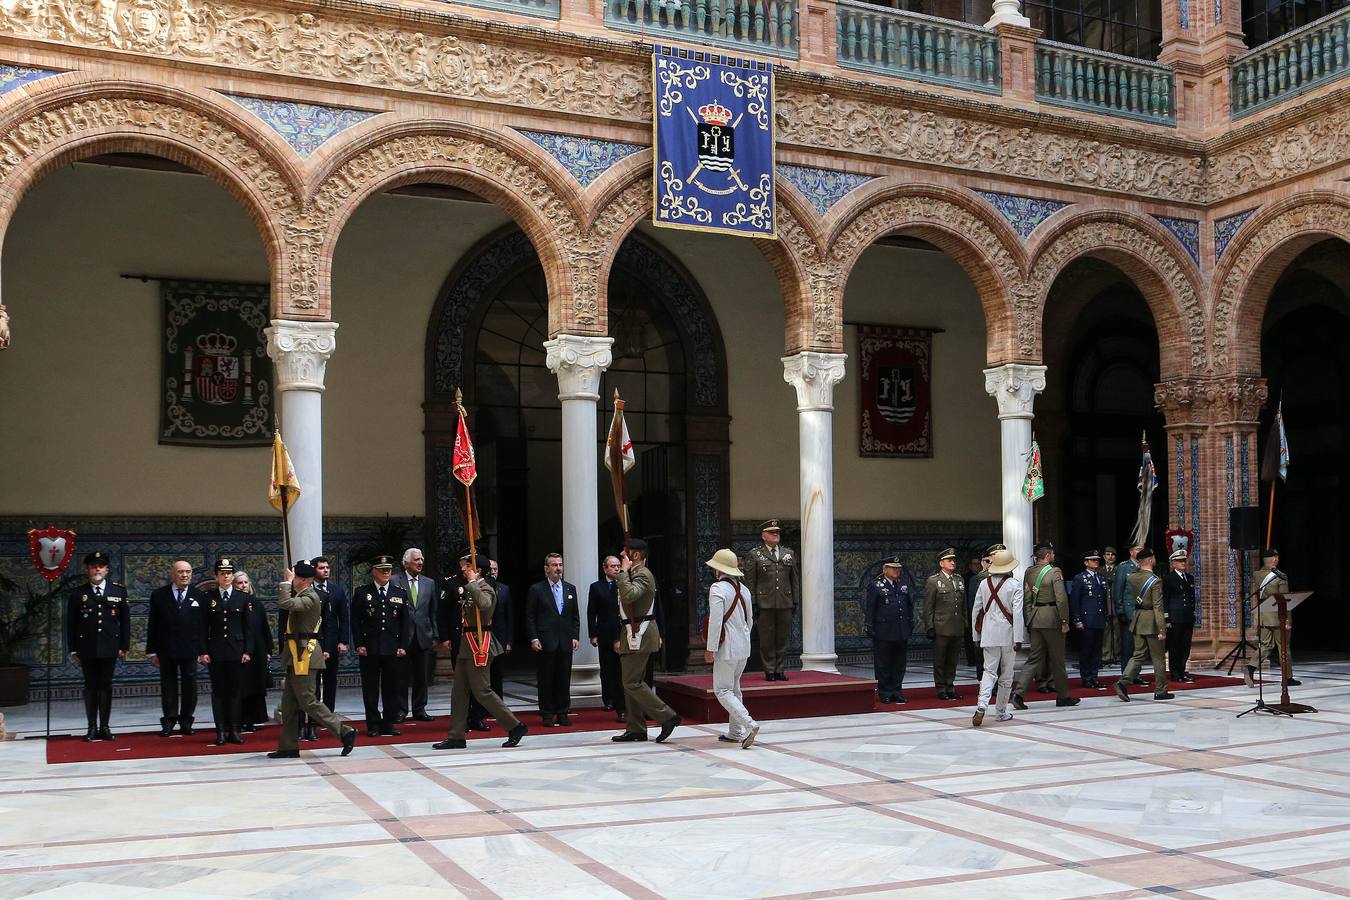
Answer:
(1239, 651)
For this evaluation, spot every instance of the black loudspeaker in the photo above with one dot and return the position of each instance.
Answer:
(1244, 528)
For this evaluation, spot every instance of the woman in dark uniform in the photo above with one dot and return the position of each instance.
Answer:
(257, 675)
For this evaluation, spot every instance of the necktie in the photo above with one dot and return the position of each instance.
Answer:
(775, 554)
(381, 593)
(179, 595)
(98, 591)
(557, 596)
(412, 591)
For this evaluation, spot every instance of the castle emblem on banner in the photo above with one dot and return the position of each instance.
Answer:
(714, 140)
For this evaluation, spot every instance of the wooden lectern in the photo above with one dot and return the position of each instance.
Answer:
(1283, 604)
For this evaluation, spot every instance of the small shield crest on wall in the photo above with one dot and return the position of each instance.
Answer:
(51, 550)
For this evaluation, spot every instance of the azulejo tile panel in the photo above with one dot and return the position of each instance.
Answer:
(1187, 231)
(586, 158)
(305, 126)
(12, 77)
(1022, 213)
(823, 187)
(1226, 228)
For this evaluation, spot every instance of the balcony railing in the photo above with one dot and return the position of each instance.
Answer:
(544, 9)
(757, 26)
(923, 48)
(1103, 82)
(1301, 60)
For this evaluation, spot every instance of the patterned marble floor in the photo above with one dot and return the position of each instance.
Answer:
(1104, 800)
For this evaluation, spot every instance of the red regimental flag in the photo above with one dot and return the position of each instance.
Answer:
(463, 464)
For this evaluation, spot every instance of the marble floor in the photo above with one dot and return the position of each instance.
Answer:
(1103, 800)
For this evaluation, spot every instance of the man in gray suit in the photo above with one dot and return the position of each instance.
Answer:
(421, 592)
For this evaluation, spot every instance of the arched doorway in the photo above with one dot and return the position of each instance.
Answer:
(1307, 367)
(486, 335)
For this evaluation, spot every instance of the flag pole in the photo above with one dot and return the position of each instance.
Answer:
(285, 510)
(616, 466)
(1270, 514)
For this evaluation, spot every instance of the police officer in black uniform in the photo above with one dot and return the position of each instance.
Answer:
(888, 616)
(98, 633)
(230, 637)
(381, 631)
(1088, 611)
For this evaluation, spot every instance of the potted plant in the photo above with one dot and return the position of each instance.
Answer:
(24, 612)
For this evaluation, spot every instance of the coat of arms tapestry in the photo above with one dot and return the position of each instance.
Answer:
(895, 411)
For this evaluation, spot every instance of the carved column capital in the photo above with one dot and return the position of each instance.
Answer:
(814, 375)
(4, 327)
(578, 361)
(1240, 398)
(300, 352)
(1014, 387)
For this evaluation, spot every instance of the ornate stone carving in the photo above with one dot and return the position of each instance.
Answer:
(1121, 236)
(820, 296)
(1014, 387)
(1321, 215)
(578, 361)
(4, 328)
(300, 352)
(1206, 400)
(1309, 144)
(814, 375)
(856, 125)
(332, 48)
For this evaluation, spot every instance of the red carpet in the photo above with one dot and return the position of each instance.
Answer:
(149, 745)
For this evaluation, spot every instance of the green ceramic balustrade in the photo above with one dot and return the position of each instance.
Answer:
(1314, 55)
(1104, 83)
(759, 26)
(918, 47)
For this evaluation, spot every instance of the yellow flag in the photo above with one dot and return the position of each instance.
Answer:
(284, 483)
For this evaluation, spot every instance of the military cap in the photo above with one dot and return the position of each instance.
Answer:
(1110, 549)
(771, 525)
(466, 553)
(97, 558)
(1269, 553)
(224, 565)
(1092, 554)
(949, 553)
(1179, 554)
(1043, 547)
(638, 544)
(891, 562)
(994, 548)
(303, 568)
(1144, 553)
(382, 562)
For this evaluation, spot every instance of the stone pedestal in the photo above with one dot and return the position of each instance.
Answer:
(814, 375)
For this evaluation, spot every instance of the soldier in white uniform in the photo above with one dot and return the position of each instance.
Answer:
(728, 645)
(997, 624)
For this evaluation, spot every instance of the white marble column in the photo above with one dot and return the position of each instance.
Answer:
(300, 352)
(814, 375)
(1014, 387)
(579, 362)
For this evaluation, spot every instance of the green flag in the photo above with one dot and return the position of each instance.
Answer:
(1033, 486)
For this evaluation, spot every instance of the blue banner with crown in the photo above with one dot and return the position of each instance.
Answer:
(713, 130)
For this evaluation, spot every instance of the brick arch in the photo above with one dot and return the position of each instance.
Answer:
(74, 117)
(1258, 255)
(956, 222)
(797, 259)
(1149, 256)
(498, 167)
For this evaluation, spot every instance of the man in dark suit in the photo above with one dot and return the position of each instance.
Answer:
(98, 634)
(173, 642)
(230, 643)
(503, 626)
(602, 621)
(421, 592)
(553, 625)
(1179, 598)
(382, 631)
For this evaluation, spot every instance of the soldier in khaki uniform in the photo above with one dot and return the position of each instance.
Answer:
(476, 600)
(1149, 626)
(303, 608)
(1269, 580)
(1111, 636)
(944, 607)
(773, 579)
(1046, 608)
(639, 638)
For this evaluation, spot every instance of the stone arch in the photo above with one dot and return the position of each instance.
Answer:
(495, 166)
(76, 118)
(960, 225)
(1259, 253)
(1150, 257)
(796, 257)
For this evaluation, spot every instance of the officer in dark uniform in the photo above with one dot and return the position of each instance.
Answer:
(381, 631)
(98, 633)
(230, 638)
(1179, 598)
(888, 617)
(1088, 614)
